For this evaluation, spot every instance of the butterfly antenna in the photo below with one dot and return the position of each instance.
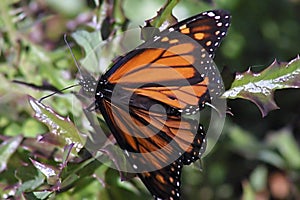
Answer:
(60, 91)
(87, 81)
(76, 63)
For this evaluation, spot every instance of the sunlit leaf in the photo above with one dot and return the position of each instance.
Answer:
(62, 127)
(7, 148)
(49, 171)
(260, 87)
(42, 195)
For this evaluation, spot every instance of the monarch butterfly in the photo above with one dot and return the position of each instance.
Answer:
(146, 95)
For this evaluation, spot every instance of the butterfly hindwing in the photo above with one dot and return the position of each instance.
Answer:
(140, 131)
(164, 183)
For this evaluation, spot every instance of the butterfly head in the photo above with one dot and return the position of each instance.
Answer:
(88, 84)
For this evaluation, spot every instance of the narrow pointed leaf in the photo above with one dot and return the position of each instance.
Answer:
(260, 87)
(287, 145)
(62, 127)
(49, 171)
(42, 195)
(7, 148)
(29, 179)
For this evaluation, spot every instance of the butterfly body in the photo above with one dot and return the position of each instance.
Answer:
(147, 94)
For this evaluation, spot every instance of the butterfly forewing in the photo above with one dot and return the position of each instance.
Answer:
(166, 71)
(207, 28)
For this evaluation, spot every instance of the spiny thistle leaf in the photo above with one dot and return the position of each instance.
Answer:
(62, 127)
(259, 87)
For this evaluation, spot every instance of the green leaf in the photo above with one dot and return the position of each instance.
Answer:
(258, 178)
(284, 141)
(69, 181)
(119, 160)
(114, 21)
(29, 178)
(32, 128)
(74, 7)
(42, 148)
(49, 171)
(7, 148)
(13, 129)
(164, 16)
(42, 195)
(162, 20)
(248, 192)
(91, 43)
(99, 54)
(76, 172)
(259, 87)
(244, 142)
(272, 158)
(61, 127)
(66, 154)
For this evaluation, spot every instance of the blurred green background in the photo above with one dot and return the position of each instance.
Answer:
(255, 157)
